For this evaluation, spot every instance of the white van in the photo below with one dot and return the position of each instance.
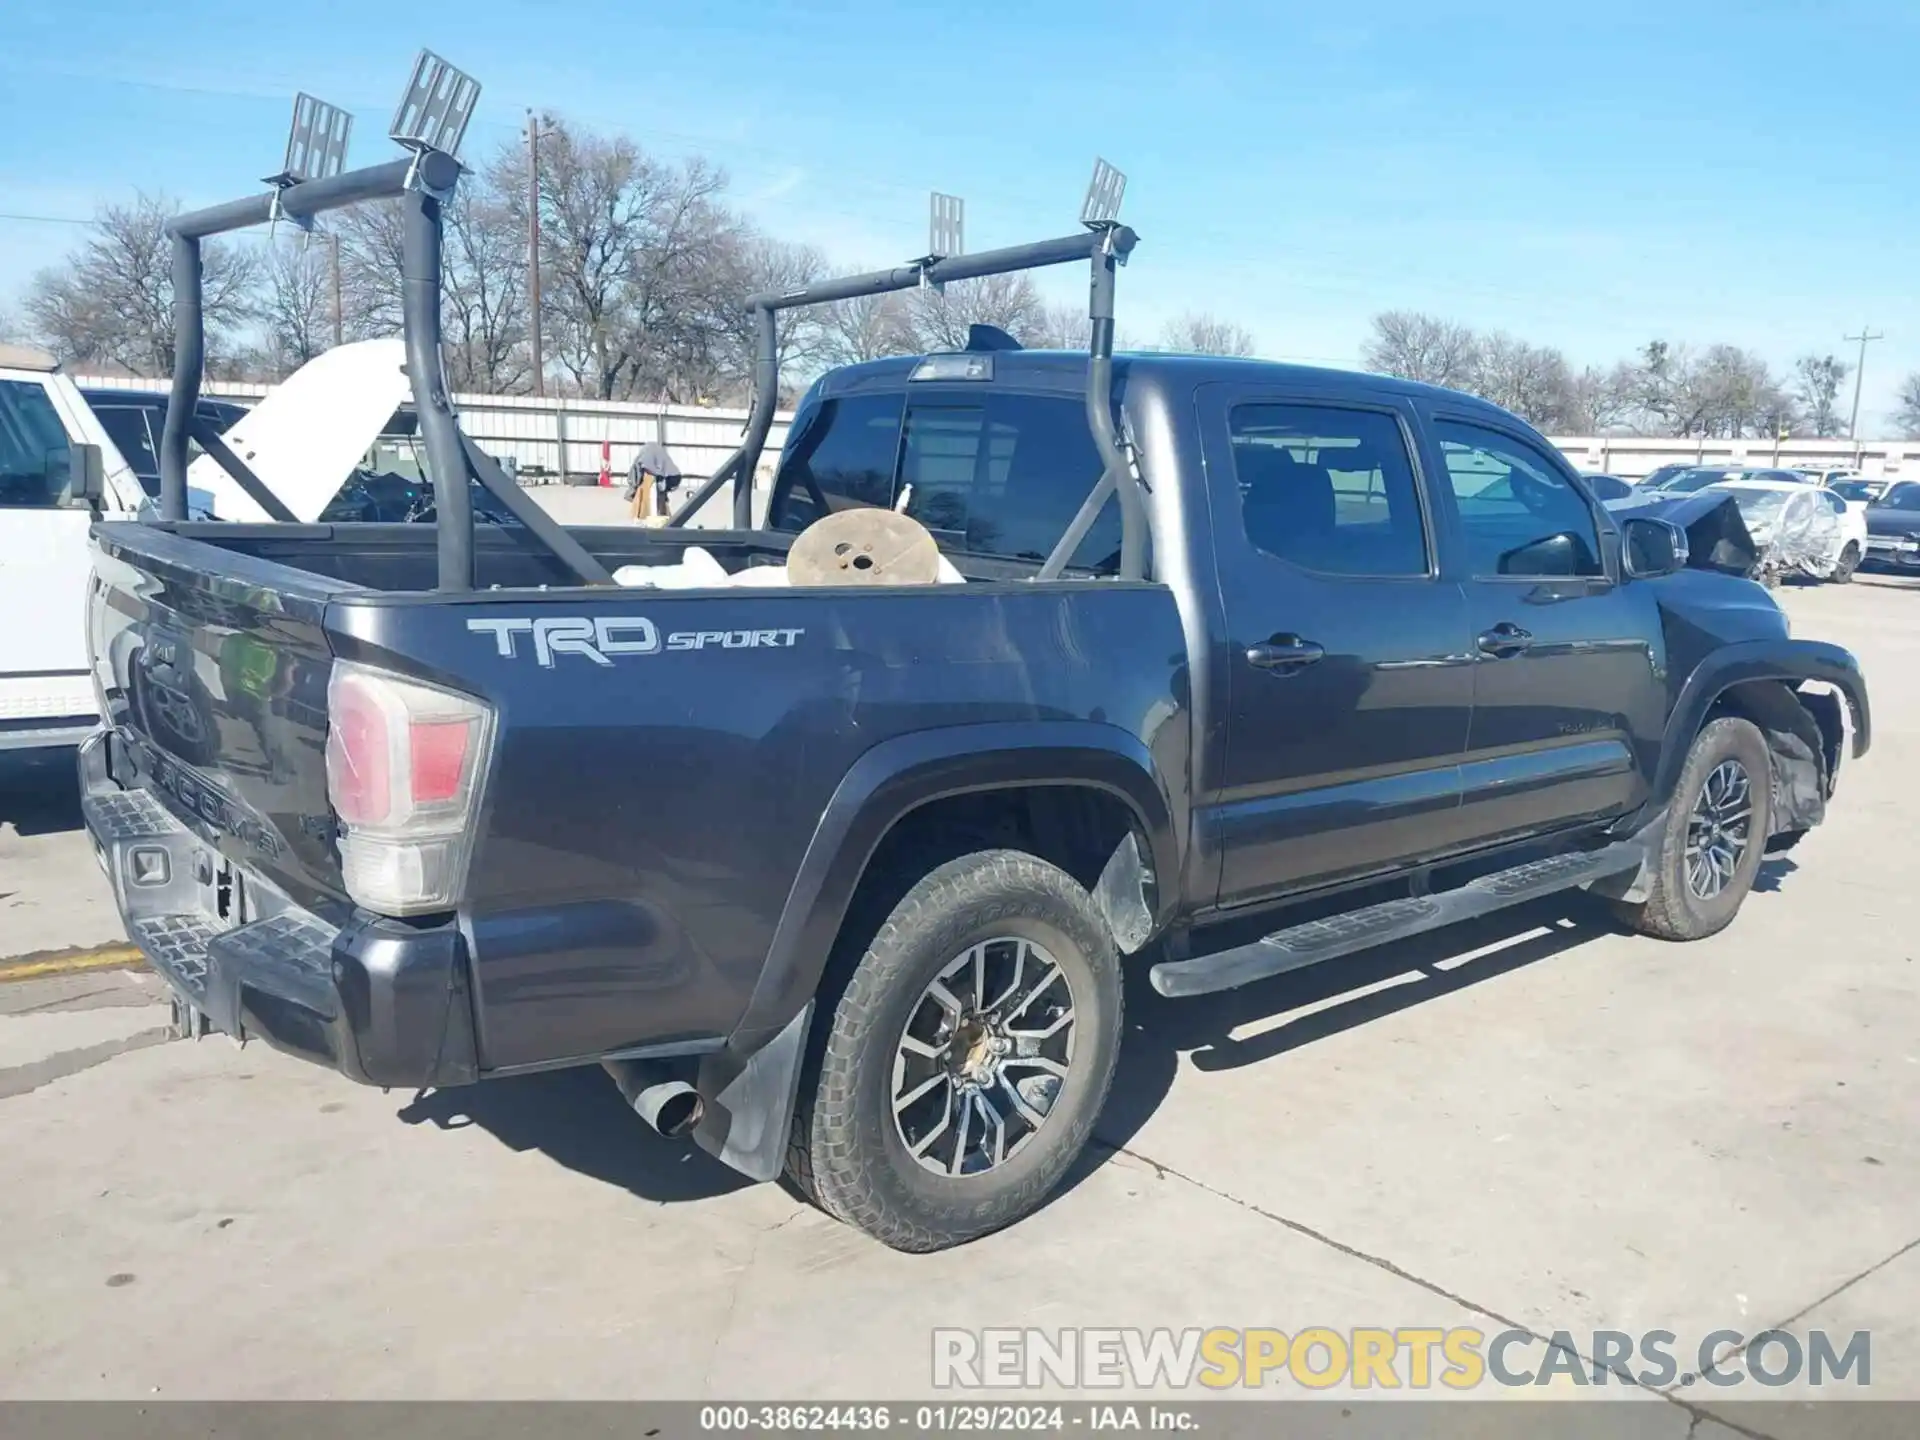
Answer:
(46, 691)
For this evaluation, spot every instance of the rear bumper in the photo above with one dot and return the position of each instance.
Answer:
(381, 1001)
(54, 734)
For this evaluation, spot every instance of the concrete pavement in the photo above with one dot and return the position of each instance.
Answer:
(1531, 1122)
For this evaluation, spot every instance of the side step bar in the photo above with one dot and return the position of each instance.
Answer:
(1309, 944)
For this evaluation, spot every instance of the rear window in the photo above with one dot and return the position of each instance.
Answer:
(998, 474)
(842, 459)
(127, 427)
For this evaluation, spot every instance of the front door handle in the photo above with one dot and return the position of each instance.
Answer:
(1284, 653)
(1504, 639)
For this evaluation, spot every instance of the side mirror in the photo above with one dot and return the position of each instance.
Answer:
(86, 475)
(1653, 547)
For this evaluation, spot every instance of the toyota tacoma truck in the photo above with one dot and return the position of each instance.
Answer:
(844, 881)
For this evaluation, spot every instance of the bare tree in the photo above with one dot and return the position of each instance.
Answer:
(370, 270)
(1205, 335)
(112, 300)
(628, 244)
(1817, 381)
(1057, 327)
(1907, 406)
(484, 267)
(1532, 381)
(1421, 347)
(863, 328)
(296, 303)
(756, 264)
(9, 325)
(1599, 402)
(932, 320)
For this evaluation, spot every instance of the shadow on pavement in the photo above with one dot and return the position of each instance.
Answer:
(39, 791)
(576, 1118)
(1159, 1030)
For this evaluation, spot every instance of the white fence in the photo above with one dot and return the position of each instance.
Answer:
(551, 437)
(1632, 457)
(554, 437)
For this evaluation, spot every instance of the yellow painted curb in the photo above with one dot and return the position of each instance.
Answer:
(71, 962)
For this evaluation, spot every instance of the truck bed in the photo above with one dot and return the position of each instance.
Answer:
(645, 811)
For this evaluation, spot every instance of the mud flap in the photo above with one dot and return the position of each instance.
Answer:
(748, 1106)
(1799, 786)
(1122, 896)
(1632, 887)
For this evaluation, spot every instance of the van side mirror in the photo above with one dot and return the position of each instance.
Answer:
(1653, 547)
(87, 475)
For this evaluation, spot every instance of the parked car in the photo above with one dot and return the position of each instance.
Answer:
(1834, 479)
(1654, 479)
(52, 448)
(1607, 487)
(1698, 477)
(389, 486)
(1858, 490)
(1800, 529)
(1893, 528)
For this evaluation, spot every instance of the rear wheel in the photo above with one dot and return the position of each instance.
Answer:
(1848, 563)
(963, 1065)
(1714, 838)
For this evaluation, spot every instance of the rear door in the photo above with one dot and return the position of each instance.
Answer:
(1568, 689)
(1349, 672)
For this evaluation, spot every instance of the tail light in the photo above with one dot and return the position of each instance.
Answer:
(404, 763)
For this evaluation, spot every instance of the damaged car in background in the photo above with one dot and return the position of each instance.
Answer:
(1763, 529)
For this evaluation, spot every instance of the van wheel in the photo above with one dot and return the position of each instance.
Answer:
(1715, 836)
(962, 1068)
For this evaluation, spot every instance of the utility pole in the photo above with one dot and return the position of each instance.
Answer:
(339, 320)
(1853, 425)
(533, 252)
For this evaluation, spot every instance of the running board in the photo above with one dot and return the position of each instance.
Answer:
(1317, 940)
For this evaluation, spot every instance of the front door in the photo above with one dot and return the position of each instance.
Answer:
(1569, 657)
(1349, 674)
(44, 564)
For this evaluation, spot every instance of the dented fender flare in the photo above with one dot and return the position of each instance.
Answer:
(1791, 663)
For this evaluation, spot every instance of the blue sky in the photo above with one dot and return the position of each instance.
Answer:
(1585, 176)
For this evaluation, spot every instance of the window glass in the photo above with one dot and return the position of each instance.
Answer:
(1328, 489)
(843, 459)
(1005, 477)
(33, 448)
(128, 429)
(1518, 513)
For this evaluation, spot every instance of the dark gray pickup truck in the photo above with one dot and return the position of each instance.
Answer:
(844, 881)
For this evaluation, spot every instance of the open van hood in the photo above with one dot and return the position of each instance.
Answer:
(308, 436)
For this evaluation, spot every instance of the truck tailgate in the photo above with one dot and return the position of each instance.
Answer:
(213, 669)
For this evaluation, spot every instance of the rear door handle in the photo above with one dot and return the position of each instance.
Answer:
(1284, 653)
(1504, 639)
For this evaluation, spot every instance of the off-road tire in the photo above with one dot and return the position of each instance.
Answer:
(1849, 562)
(845, 1152)
(1671, 910)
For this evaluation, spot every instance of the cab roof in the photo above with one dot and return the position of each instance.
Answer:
(1066, 372)
(26, 357)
